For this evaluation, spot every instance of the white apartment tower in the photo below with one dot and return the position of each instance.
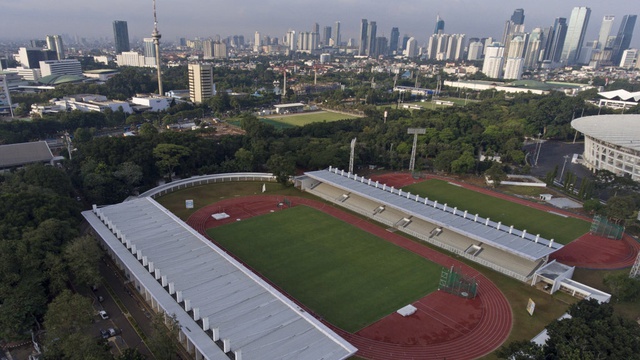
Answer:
(493, 61)
(200, 82)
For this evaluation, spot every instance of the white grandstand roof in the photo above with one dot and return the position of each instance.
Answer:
(513, 242)
(621, 94)
(257, 319)
(621, 130)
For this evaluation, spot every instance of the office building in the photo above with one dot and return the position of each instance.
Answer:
(131, 58)
(405, 39)
(121, 36)
(256, 42)
(149, 52)
(382, 46)
(37, 43)
(220, 50)
(364, 27)
(439, 29)
(200, 82)
(534, 47)
(326, 36)
(576, 30)
(54, 43)
(207, 49)
(623, 39)
(336, 34)
(61, 67)
(515, 25)
(493, 61)
(556, 40)
(393, 40)
(605, 31)
(371, 39)
(629, 59)
(411, 50)
(30, 58)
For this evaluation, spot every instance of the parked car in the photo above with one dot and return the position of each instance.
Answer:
(104, 334)
(103, 314)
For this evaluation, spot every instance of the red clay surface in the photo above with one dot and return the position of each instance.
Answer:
(445, 326)
(588, 251)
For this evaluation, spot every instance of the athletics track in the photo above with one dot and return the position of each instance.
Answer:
(445, 326)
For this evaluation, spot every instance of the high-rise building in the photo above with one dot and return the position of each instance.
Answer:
(393, 40)
(364, 27)
(256, 42)
(382, 46)
(200, 82)
(475, 51)
(371, 39)
(439, 29)
(493, 61)
(623, 39)
(336, 34)
(576, 30)
(326, 35)
(30, 58)
(149, 52)
(207, 49)
(515, 60)
(605, 31)
(54, 43)
(513, 26)
(629, 59)
(220, 50)
(405, 39)
(533, 48)
(37, 43)
(121, 36)
(411, 50)
(556, 41)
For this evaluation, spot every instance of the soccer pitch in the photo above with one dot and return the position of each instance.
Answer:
(344, 274)
(304, 119)
(550, 226)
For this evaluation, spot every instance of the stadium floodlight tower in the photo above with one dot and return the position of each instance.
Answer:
(353, 151)
(635, 270)
(155, 35)
(415, 132)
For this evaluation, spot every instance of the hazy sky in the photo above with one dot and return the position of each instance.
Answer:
(28, 19)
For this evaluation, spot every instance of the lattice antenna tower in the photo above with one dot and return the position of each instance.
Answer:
(635, 270)
(155, 35)
(415, 132)
(352, 157)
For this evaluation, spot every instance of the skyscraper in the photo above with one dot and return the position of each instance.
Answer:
(534, 47)
(121, 36)
(200, 82)
(439, 29)
(54, 43)
(576, 30)
(605, 31)
(393, 41)
(149, 51)
(475, 51)
(411, 50)
(256, 42)
(515, 60)
(623, 39)
(371, 39)
(364, 26)
(515, 25)
(556, 40)
(326, 35)
(336, 34)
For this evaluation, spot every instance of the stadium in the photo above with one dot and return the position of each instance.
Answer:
(612, 143)
(230, 296)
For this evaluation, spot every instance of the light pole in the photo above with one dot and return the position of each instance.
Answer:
(538, 147)
(563, 165)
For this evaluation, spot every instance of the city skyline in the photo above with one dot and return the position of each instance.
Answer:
(29, 19)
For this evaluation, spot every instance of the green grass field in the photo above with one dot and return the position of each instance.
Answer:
(550, 226)
(344, 274)
(304, 119)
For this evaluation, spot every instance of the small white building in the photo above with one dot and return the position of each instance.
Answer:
(61, 67)
(153, 102)
(289, 108)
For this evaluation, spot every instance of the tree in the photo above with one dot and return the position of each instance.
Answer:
(623, 287)
(282, 167)
(620, 208)
(163, 340)
(147, 129)
(496, 174)
(169, 157)
(82, 255)
(67, 322)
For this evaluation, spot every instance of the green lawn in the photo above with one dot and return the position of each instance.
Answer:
(550, 226)
(344, 274)
(304, 119)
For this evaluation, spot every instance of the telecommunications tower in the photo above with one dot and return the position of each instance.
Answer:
(155, 35)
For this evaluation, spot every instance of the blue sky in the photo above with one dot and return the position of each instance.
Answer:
(27, 19)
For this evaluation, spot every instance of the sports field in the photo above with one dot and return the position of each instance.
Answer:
(344, 274)
(308, 118)
(548, 225)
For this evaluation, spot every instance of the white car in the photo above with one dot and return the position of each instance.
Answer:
(103, 314)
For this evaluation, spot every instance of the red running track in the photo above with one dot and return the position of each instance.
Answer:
(445, 326)
(588, 251)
